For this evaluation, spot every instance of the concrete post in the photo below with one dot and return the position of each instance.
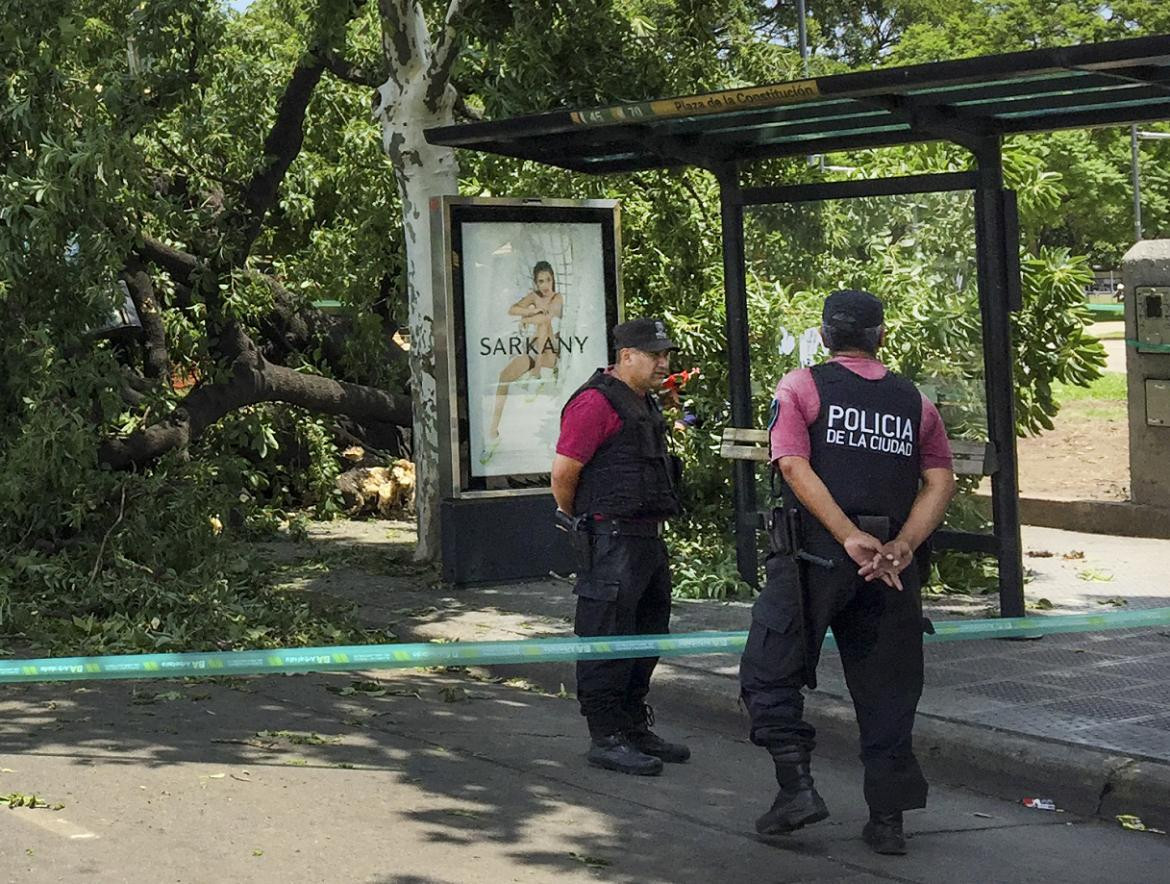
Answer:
(1145, 270)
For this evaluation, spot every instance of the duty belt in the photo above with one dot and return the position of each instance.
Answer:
(624, 527)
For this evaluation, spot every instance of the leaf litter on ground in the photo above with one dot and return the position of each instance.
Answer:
(32, 802)
(142, 698)
(591, 861)
(1135, 824)
(364, 688)
(1092, 575)
(297, 738)
(459, 811)
(453, 693)
(270, 740)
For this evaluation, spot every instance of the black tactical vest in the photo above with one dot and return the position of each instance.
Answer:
(630, 473)
(865, 442)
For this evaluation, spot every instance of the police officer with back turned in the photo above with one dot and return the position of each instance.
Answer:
(614, 481)
(866, 478)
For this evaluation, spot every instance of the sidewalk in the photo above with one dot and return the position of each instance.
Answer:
(1083, 718)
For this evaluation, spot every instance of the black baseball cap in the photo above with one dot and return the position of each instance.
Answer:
(643, 334)
(848, 309)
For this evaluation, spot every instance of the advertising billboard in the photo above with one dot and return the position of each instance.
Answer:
(532, 294)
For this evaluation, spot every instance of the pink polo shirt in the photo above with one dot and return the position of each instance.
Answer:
(587, 423)
(800, 404)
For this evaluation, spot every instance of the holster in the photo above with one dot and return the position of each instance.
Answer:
(922, 561)
(784, 539)
(779, 532)
(577, 527)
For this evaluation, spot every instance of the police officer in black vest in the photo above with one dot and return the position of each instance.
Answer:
(866, 478)
(614, 481)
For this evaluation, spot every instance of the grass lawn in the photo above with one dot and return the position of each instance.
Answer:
(1104, 399)
(1109, 387)
(1117, 334)
(1107, 328)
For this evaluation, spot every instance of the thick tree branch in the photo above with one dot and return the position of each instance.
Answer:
(405, 41)
(156, 359)
(281, 147)
(251, 380)
(465, 110)
(443, 57)
(179, 264)
(132, 386)
(349, 72)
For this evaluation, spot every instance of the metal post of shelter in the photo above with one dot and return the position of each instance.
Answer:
(738, 367)
(991, 244)
(1136, 175)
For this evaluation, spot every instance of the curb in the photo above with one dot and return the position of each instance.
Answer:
(1005, 764)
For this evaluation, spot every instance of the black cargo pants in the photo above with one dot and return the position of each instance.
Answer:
(625, 591)
(879, 636)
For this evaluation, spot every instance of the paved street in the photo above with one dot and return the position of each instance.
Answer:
(437, 777)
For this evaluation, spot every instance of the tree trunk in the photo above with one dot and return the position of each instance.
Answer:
(417, 95)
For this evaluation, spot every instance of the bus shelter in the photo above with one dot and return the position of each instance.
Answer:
(971, 102)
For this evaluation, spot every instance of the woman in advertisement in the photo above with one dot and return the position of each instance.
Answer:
(536, 310)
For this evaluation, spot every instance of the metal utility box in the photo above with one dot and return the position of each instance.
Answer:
(1152, 312)
(1146, 272)
(1158, 403)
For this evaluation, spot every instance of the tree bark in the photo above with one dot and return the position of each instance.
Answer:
(280, 148)
(156, 360)
(418, 95)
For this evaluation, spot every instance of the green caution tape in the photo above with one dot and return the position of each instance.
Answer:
(551, 650)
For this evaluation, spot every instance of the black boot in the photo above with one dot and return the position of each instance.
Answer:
(797, 803)
(648, 742)
(883, 833)
(615, 752)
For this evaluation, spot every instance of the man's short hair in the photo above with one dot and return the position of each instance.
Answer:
(852, 319)
(867, 339)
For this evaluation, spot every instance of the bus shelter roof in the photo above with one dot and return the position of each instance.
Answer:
(1125, 81)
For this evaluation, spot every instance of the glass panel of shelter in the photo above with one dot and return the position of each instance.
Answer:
(915, 251)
